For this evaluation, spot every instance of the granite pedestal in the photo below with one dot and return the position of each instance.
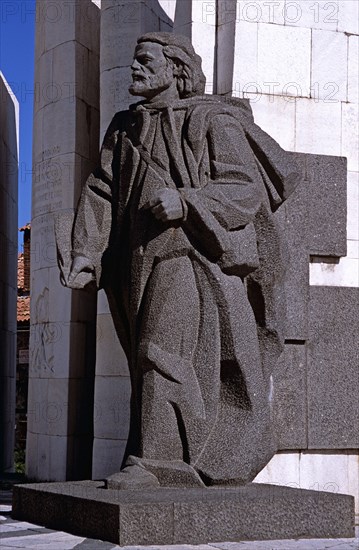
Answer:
(185, 516)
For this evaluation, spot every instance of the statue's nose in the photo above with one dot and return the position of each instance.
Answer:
(135, 65)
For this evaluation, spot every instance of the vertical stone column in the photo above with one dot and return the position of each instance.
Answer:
(9, 121)
(65, 150)
(197, 19)
(122, 22)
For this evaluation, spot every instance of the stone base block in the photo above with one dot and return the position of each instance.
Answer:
(185, 516)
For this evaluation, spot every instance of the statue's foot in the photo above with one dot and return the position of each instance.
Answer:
(143, 473)
(170, 473)
(132, 477)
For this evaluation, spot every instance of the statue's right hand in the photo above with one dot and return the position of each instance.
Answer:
(82, 273)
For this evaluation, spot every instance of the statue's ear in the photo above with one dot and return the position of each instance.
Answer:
(177, 67)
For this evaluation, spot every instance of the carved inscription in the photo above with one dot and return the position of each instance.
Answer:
(48, 177)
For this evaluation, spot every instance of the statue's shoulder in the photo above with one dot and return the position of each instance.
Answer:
(205, 113)
(119, 121)
(279, 170)
(209, 106)
(116, 126)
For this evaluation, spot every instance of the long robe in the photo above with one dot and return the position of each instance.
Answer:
(184, 295)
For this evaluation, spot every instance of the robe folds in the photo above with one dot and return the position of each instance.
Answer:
(198, 302)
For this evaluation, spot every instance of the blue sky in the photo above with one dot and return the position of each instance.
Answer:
(17, 29)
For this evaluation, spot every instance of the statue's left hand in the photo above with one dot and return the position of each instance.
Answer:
(82, 273)
(166, 205)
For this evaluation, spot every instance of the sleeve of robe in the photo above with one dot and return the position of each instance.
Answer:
(92, 227)
(233, 195)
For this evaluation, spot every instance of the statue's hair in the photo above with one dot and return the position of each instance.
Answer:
(178, 48)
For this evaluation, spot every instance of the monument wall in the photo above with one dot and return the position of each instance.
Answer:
(65, 150)
(9, 144)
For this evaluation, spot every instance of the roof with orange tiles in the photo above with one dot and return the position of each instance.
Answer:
(23, 302)
(23, 308)
(20, 270)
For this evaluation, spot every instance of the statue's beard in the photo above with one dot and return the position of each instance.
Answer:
(151, 85)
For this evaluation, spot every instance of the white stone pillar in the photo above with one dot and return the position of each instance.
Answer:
(197, 19)
(65, 150)
(9, 123)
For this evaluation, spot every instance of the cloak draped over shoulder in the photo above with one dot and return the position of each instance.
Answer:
(197, 303)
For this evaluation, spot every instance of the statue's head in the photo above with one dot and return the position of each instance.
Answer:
(162, 58)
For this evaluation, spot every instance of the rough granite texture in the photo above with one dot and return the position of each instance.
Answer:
(200, 229)
(333, 369)
(293, 218)
(327, 232)
(314, 221)
(178, 225)
(290, 398)
(185, 516)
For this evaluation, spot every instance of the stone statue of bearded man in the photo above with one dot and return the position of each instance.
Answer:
(177, 226)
